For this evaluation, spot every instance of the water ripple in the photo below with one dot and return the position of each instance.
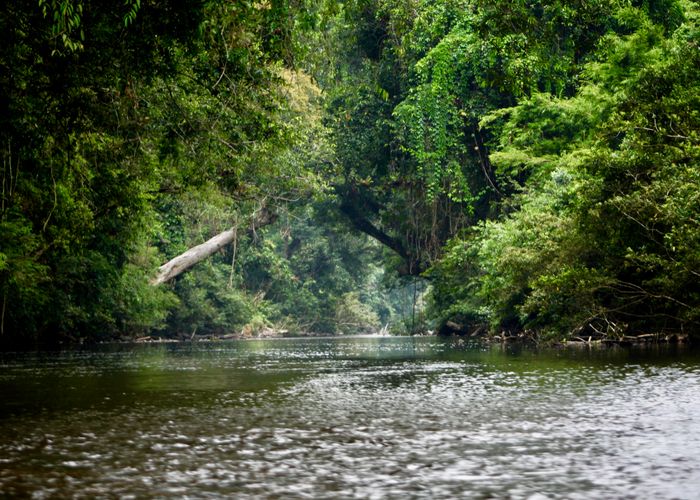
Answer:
(350, 419)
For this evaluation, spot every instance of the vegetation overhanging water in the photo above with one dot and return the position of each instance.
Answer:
(194, 170)
(189, 169)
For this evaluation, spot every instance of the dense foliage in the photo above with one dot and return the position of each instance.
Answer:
(132, 132)
(535, 162)
(600, 237)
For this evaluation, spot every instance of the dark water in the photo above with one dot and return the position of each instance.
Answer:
(350, 418)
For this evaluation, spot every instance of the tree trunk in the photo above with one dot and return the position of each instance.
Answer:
(196, 254)
(184, 261)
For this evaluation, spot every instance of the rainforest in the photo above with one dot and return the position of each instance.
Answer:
(498, 168)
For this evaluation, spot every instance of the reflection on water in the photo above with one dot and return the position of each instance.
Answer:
(350, 418)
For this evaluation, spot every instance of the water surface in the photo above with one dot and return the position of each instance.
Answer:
(350, 418)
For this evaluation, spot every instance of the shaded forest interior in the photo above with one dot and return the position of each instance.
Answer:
(494, 166)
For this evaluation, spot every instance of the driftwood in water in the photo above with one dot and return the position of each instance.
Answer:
(184, 261)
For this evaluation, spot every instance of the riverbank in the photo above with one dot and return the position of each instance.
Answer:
(622, 340)
(503, 338)
(264, 334)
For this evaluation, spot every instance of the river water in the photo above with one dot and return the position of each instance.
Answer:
(350, 418)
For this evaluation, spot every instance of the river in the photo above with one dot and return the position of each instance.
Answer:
(370, 417)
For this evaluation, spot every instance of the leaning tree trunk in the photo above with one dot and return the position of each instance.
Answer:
(184, 261)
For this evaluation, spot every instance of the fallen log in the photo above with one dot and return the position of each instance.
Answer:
(184, 261)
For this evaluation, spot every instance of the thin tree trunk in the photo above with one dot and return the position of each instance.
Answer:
(2, 320)
(233, 260)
